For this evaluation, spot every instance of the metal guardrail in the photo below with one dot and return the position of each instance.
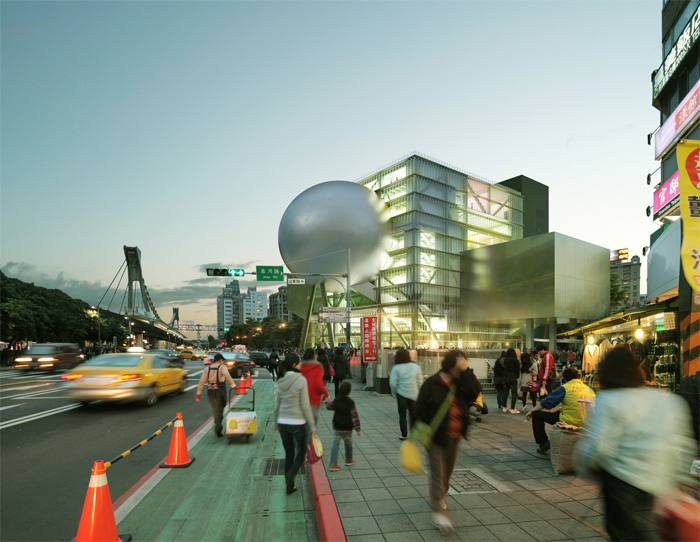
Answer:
(142, 443)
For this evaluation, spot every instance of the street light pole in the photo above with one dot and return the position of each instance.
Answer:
(347, 301)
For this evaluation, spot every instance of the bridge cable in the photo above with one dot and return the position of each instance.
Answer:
(116, 289)
(123, 300)
(110, 284)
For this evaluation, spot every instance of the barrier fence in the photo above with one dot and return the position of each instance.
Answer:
(142, 443)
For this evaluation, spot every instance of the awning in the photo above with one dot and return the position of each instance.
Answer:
(670, 305)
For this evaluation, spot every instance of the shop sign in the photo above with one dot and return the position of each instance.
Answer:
(333, 315)
(671, 130)
(688, 154)
(677, 53)
(667, 195)
(369, 339)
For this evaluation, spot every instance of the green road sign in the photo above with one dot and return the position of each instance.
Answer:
(270, 273)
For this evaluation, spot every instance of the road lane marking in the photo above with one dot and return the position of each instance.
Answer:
(45, 397)
(31, 394)
(191, 387)
(196, 373)
(20, 388)
(10, 406)
(37, 416)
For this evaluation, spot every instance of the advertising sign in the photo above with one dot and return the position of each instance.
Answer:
(298, 281)
(370, 347)
(667, 195)
(688, 154)
(332, 315)
(670, 131)
(677, 53)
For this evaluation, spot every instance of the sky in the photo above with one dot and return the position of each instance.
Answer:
(186, 128)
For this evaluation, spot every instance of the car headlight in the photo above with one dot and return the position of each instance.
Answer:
(23, 359)
(47, 359)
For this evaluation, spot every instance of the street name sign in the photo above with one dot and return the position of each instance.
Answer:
(269, 273)
(296, 281)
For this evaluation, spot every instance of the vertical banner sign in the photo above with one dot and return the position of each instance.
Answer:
(369, 339)
(688, 154)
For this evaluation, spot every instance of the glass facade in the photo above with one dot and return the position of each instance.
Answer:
(436, 212)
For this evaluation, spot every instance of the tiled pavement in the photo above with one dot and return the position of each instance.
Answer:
(506, 491)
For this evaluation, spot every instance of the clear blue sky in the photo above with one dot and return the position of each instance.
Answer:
(186, 128)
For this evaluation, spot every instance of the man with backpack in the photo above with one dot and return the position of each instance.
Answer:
(215, 376)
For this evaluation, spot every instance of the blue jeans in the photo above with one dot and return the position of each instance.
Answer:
(346, 436)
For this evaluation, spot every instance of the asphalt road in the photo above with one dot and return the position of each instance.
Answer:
(48, 445)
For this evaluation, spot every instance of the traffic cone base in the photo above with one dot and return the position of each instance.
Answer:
(97, 520)
(178, 454)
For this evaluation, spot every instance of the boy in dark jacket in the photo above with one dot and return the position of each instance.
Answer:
(345, 419)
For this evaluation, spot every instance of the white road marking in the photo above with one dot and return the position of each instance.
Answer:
(31, 394)
(196, 373)
(10, 406)
(20, 388)
(191, 387)
(37, 416)
(46, 397)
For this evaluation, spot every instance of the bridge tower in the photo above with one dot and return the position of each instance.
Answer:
(139, 301)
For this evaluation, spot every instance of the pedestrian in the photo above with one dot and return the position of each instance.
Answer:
(345, 419)
(573, 395)
(313, 372)
(546, 371)
(405, 381)
(294, 418)
(215, 376)
(528, 378)
(322, 357)
(273, 364)
(512, 377)
(448, 394)
(499, 380)
(340, 368)
(637, 446)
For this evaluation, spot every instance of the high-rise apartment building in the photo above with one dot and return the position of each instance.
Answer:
(254, 305)
(229, 307)
(278, 304)
(628, 275)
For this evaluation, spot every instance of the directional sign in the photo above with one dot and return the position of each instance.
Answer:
(333, 315)
(270, 273)
(296, 281)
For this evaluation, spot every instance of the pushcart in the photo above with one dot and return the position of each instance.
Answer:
(241, 418)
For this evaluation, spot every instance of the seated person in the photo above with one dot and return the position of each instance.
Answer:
(572, 411)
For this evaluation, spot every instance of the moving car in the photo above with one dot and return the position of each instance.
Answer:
(187, 354)
(261, 359)
(49, 356)
(237, 363)
(131, 376)
(172, 356)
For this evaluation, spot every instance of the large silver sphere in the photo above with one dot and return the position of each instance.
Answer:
(326, 219)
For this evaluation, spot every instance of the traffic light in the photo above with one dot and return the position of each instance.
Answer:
(226, 272)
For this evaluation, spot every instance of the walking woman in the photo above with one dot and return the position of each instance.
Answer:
(215, 376)
(528, 378)
(499, 381)
(293, 416)
(405, 381)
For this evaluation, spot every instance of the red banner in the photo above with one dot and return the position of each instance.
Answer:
(369, 339)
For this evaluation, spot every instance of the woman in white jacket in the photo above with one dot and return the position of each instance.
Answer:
(405, 381)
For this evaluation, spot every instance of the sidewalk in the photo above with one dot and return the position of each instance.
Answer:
(229, 492)
(502, 489)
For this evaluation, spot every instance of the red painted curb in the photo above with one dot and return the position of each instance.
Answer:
(330, 528)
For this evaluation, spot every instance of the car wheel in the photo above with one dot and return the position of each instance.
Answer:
(152, 397)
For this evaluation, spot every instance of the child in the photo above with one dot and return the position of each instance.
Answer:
(344, 420)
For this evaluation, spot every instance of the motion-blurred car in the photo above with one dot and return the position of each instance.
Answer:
(131, 376)
(237, 363)
(261, 359)
(187, 354)
(172, 355)
(49, 356)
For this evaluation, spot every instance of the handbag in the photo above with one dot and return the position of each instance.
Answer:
(678, 517)
(314, 449)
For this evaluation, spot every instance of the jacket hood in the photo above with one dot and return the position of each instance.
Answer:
(289, 380)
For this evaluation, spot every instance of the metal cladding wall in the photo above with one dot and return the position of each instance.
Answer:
(663, 262)
(540, 277)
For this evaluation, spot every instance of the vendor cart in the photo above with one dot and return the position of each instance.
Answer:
(241, 418)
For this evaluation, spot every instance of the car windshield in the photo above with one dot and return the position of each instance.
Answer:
(40, 349)
(114, 360)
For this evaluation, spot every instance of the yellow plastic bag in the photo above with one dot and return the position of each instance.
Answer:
(480, 400)
(317, 444)
(411, 458)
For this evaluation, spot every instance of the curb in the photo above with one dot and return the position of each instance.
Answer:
(330, 528)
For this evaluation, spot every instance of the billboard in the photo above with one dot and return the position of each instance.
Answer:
(667, 195)
(370, 351)
(682, 117)
(688, 154)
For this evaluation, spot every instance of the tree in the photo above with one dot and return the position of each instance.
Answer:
(212, 341)
(618, 297)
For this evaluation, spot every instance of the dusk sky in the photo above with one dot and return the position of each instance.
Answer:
(186, 128)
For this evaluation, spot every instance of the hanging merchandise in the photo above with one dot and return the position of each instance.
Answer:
(591, 357)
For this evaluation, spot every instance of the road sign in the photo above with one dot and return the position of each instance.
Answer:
(225, 272)
(296, 281)
(270, 273)
(333, 315)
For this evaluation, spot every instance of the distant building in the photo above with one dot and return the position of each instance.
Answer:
(229, 307)
(254, 305)
(278, 304)
(628, 273)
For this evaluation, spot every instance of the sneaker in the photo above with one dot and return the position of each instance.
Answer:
(334, 468)
(291, 490)
(403, 438)
(514, 411)
(442, 523)
(544, 448)
(348, 464)
(504, 409)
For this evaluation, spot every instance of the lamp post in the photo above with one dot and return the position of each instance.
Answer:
(99, 326)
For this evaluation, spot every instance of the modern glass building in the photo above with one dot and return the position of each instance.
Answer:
(436, 212)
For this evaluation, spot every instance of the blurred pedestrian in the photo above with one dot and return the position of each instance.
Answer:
(405, 381)
(499, 380)
(547, 371)
(512, 377)
(313, 372)
(273, 364)
(638, 446)
(528, 378)
(446, 395)
(345, 419)
(573, 396)
(322, 356)
(340, 368)
(294, 418)
(215, 376)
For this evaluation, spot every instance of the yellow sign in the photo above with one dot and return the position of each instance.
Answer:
(688, 154)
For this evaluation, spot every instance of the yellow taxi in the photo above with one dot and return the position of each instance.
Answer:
(131, 376)
(186, 354)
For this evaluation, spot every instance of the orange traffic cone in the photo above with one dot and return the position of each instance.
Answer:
(97, 520)
(250, 380)
(178, 455)
(242, 386)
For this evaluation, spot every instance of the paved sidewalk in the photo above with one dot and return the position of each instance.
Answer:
(225, 494)
(506, 491)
